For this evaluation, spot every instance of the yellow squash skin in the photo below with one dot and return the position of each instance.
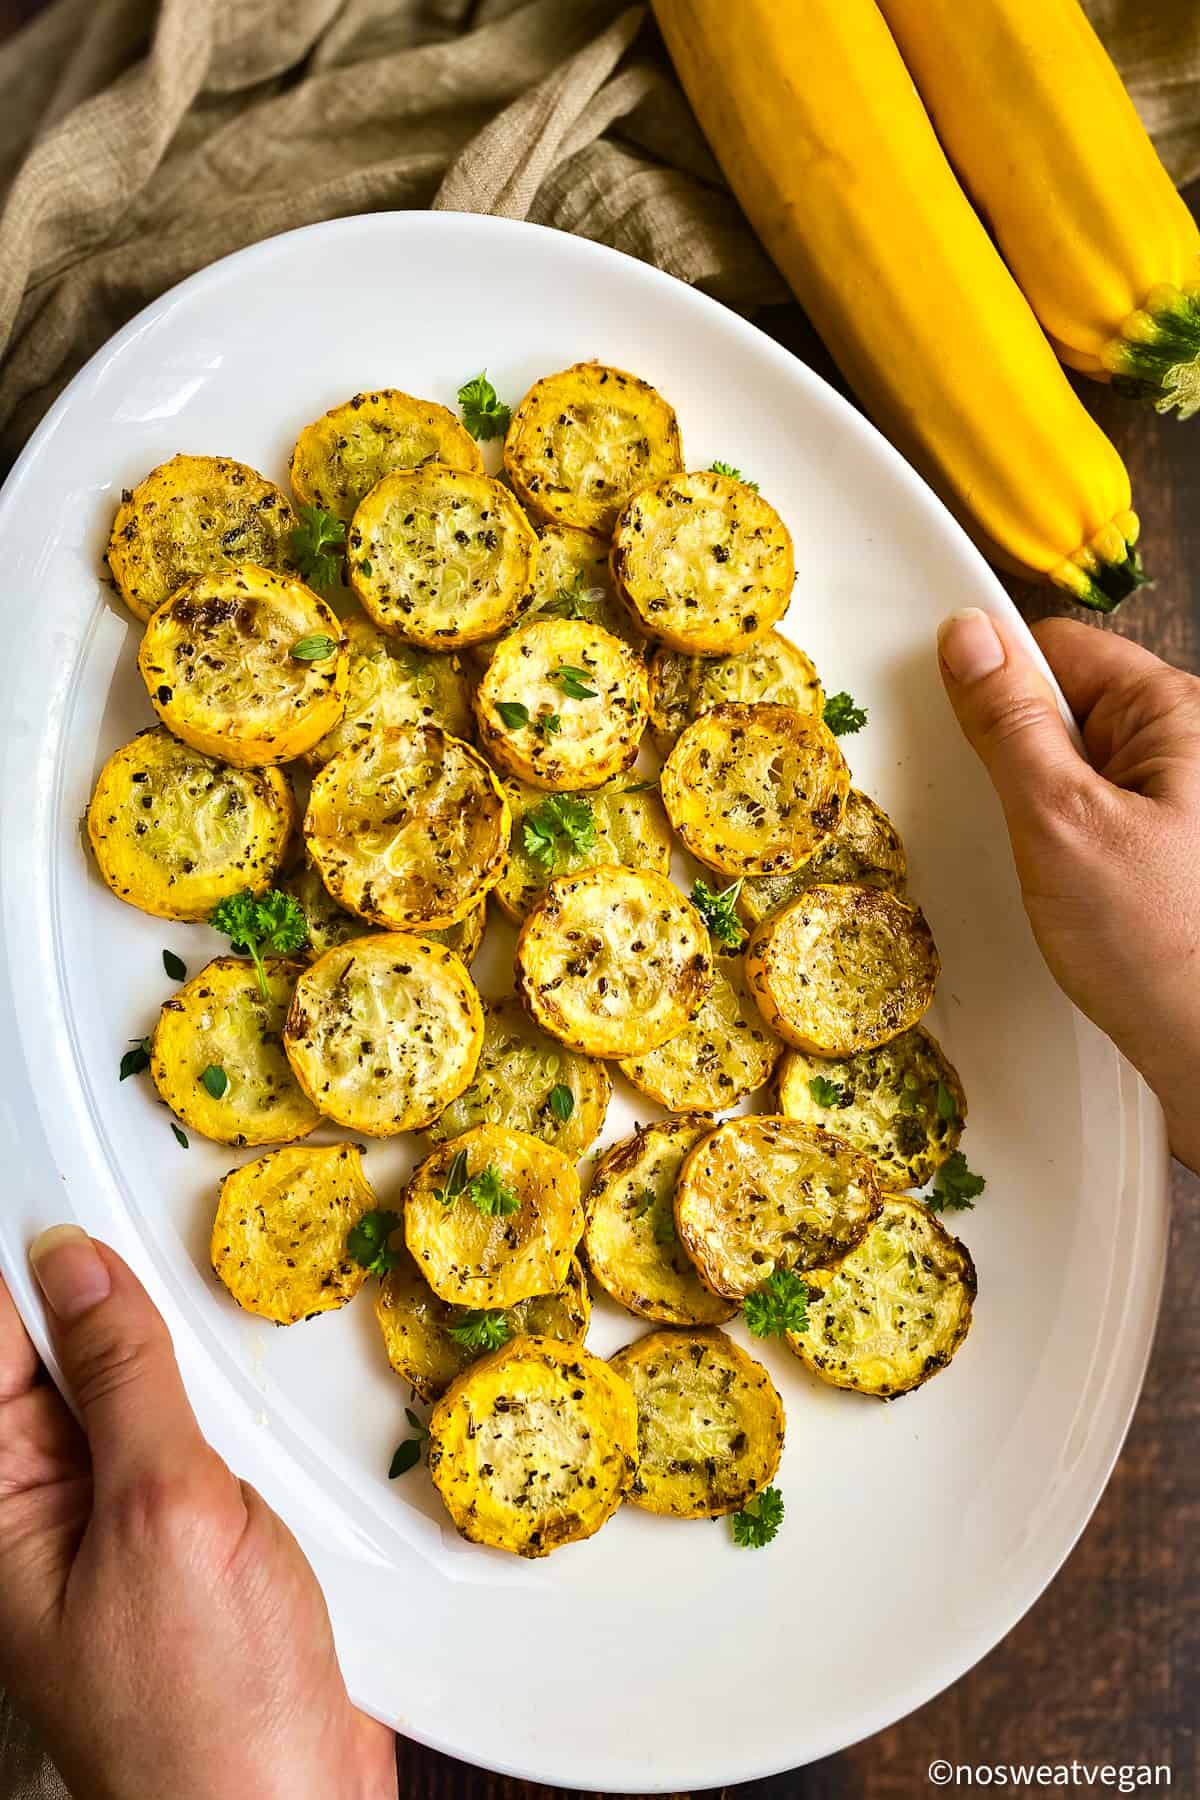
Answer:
(815, 121)
(1088, 219)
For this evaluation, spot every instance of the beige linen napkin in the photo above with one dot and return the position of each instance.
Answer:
(141, 141)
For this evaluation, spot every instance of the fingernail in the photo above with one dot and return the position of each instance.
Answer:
(970, 646)
(69, 1271)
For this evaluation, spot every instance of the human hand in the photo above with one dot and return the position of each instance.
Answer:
(159, 1625)
(1107, 850)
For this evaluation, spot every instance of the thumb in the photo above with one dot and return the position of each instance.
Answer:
(1008, 714)
(117, 1358)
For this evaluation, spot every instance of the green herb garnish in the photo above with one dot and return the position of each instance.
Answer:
(573, 682)
(946, 1108)
(758, 1523)
(514, 713)
(174, 965)
(573, 602)
(561, 824)
(369, 1241)
(486, 1189)
(479, 1329)
(180, 1136)
(215, 1080)
(828, 1093)
(842, 716)
(562, 1102)
(547, 725)
(317, 545)
(408, 1455)
(273, 922)
(779, 1305)
(723, 468)
(719, 911)
(136, 1060)
(484, 415)
(315, 648)
(955, 1187)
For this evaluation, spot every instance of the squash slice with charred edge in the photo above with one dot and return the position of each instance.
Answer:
(703, 563)
(440, 557)
(613, 961)
(534, 1446)
(384, 1031)
(842, 969)
(630, 1240)
(329, 924)
(572, 582)
(710, 1423)
(772, 669)
(416, 1325)
(340, 456)
(865, 849)
(901, 1103)
(762, 1193)
(279, 1237)
(628, 826)
(220, 1021)
(723, 1053)
(493, 1259)
(390, 683)
(196, 515)
(755, 790)
(174, 831)
(408, 829)
(894, 1311)
(519, 1072)
(585, 439)
(219, 665)
(583, 696)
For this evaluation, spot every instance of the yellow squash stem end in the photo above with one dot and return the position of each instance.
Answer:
(1157, 355)
(1106, 570)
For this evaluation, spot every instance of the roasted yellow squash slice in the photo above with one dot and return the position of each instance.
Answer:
(441, 557)
(762, 1193)
(560, 834)
(842, 969)
(682, 687)
(217, 1055)
(493, 1217)
(328, 924)
(613, 961)
(384, 1031)
(563, 704)
(174, 831)
(534, 1447)
(703, 563)
(710, 1423)
(419, 1330)
(755, 790)
(901, 1103)
(340, 456)
(245, 664)
(390, 683)
(585, 439)
(572, 582)
(532, 1083)
(865, 849)
(892, 1312)
(723, 1053)
(632, 1247)
(410, 828)
(279, 1237)
(196, 515)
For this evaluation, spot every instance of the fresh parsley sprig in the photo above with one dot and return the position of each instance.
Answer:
(779, 1305)
(829, 1093)
(272, 922)
(369, 1241)
(759, 1522)
(956, 1187)
(842, 716)
(483, 413)
(561, 824)
(486, 1189)
(719, 911)
(318, 544)
(724, 468)
(479, 1329)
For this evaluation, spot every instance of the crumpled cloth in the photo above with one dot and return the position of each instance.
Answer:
(142, 139)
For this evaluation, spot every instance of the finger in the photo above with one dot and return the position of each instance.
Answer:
(1140, 717)
(18, 1358)
(40, 1443)
(117, 1360)
(1089, 662)
(1008, 713)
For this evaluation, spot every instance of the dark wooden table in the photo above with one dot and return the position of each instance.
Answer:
(1106, 1666)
